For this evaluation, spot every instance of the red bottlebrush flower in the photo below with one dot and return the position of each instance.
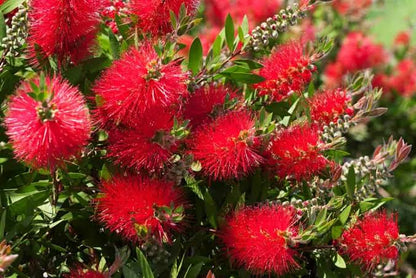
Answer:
(218, 10)
(63, 29)
(360, 52)
(296, 152)
(333, 75)
(404, 79)
(286, 71)
(357, 52)
(327, 106)
(111, 8)
(79, 272)
(144, 146)
(260, 238)
(371, 240)
(140, 208)
(153, 15)
(45, 133)
(136, 83)
(226, 147)
(204, 101)
(382, 80)
(351, 7)
(402, 38)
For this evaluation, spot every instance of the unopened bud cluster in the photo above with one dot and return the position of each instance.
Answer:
(268, 31)
(177, 172)
(16, 34)
(155, 252)
(366, 169)
(335, 130)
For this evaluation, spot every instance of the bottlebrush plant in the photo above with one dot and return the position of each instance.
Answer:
(126, 152)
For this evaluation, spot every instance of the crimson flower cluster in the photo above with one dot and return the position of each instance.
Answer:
(357, 52)
(351, 7)
(296, 153)
(217, 10)
(261, 239)
(227, 147)
(47, 132)
(288, 70)
(402, 80)
(372, 240)
(153, 15)
(111, 9)
(140, 208)
(328, 105)
(79, 272)
(56, 31)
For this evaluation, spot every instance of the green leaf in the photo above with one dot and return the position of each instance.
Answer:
(247, 78)
(210, 209)
(321, 218)
(325, 226)
(174, 271)
(350, 185)
(336, 232)
(343, 217)
(173, 19)
(2, 27)
(244, 25)
(217, 46)
(373, 203)
(76, 176)
(236, 68)
(195, 56)
(339, 261)
(10, 5)
(194, 270)
(129, 273)
(248, 63)
(229, 32)
(114, 45)
(144, 265)
(365, 206)
(122, 27)
(2, 224)
(29, 203)
(192, 184)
